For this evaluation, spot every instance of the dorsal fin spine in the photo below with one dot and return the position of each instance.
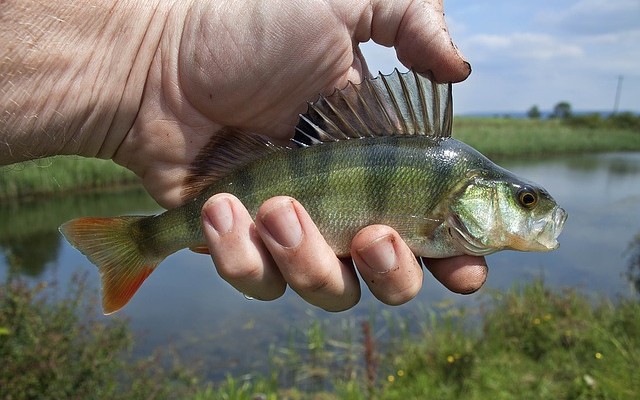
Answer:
(380, 104)
(424, 109)
(341, 118)
(321, 132)
(448, 113)
(362, 125)
(367, 110)
(330, 123)
(403, 129)
(436, 109)
(407, 99)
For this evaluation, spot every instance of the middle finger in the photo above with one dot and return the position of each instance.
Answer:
(306, 261)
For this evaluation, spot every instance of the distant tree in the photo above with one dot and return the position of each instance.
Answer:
(534, 112)
(562, 110)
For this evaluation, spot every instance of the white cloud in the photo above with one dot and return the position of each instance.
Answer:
(522, 45)
(526, 53)
(594, 17)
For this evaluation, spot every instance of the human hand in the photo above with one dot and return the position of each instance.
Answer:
(285, 247)
(148, 85)
(252, 66)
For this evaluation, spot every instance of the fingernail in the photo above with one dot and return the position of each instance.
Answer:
(283, 224)
(219, 214)
(468, 65)
(379, 255)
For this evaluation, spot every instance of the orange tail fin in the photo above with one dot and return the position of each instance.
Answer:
(111, 246)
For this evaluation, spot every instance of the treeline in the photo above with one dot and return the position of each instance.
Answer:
(564, 112)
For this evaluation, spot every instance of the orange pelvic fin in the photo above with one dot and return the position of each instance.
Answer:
(200, 250)
(112, 246)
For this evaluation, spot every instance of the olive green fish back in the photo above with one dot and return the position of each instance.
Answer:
(389, 105)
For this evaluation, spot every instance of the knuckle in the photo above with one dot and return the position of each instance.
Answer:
(401, 296)
(240, 271)
(310, 282)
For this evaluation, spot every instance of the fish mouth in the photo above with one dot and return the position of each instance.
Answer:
(548, 230)
(543, 236)
(463, 240)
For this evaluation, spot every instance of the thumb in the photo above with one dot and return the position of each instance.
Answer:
(418, 31)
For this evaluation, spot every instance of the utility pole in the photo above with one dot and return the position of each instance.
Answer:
(616, 102)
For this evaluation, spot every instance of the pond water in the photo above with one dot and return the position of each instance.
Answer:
(186, 306)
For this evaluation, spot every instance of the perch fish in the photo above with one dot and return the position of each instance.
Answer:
(376, 152)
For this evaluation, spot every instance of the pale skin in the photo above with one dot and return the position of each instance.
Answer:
(148, 83)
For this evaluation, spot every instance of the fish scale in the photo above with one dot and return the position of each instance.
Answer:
(376, 153)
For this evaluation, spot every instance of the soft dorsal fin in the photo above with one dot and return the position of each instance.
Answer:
(227, 151)
(396, 104)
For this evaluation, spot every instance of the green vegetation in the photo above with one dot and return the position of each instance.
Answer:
(532, 344)
(504, 137)
(57, 349)
(526, 343)
(534, 113)
(62, 175)
(29, 237)
(562, 110)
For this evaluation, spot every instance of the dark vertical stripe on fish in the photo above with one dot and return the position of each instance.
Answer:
(244, 183)
(195, 230)
(381, 162)
(441, 164)
(319, 166)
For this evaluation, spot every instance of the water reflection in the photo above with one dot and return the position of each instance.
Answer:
(185, 304)
(615, 164)
(29, 237)
(29, 254)
(633, 267)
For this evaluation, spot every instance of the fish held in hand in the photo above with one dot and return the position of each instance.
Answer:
(379, 152)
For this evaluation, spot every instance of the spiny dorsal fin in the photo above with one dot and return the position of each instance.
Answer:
(396, 104)
(227, 151)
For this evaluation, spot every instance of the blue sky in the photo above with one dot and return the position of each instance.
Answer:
(526, 53)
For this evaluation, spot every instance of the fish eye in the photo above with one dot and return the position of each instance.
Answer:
(527, 197)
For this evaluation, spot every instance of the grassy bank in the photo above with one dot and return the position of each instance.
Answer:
(526, 343)
(62, 175)
(504, 137)
(495, 137)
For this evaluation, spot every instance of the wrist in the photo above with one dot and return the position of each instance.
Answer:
(71, 76)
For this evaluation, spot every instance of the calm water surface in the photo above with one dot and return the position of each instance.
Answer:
(184, 304)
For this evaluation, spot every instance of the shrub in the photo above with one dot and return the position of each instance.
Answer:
(61, 350)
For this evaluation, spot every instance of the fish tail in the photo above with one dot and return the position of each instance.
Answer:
(113, 245)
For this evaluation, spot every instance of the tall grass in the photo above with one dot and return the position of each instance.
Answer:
(533, 343)
(526, 343)
(61, 175)
(529, 343)
(527, 137)
(56, 348)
